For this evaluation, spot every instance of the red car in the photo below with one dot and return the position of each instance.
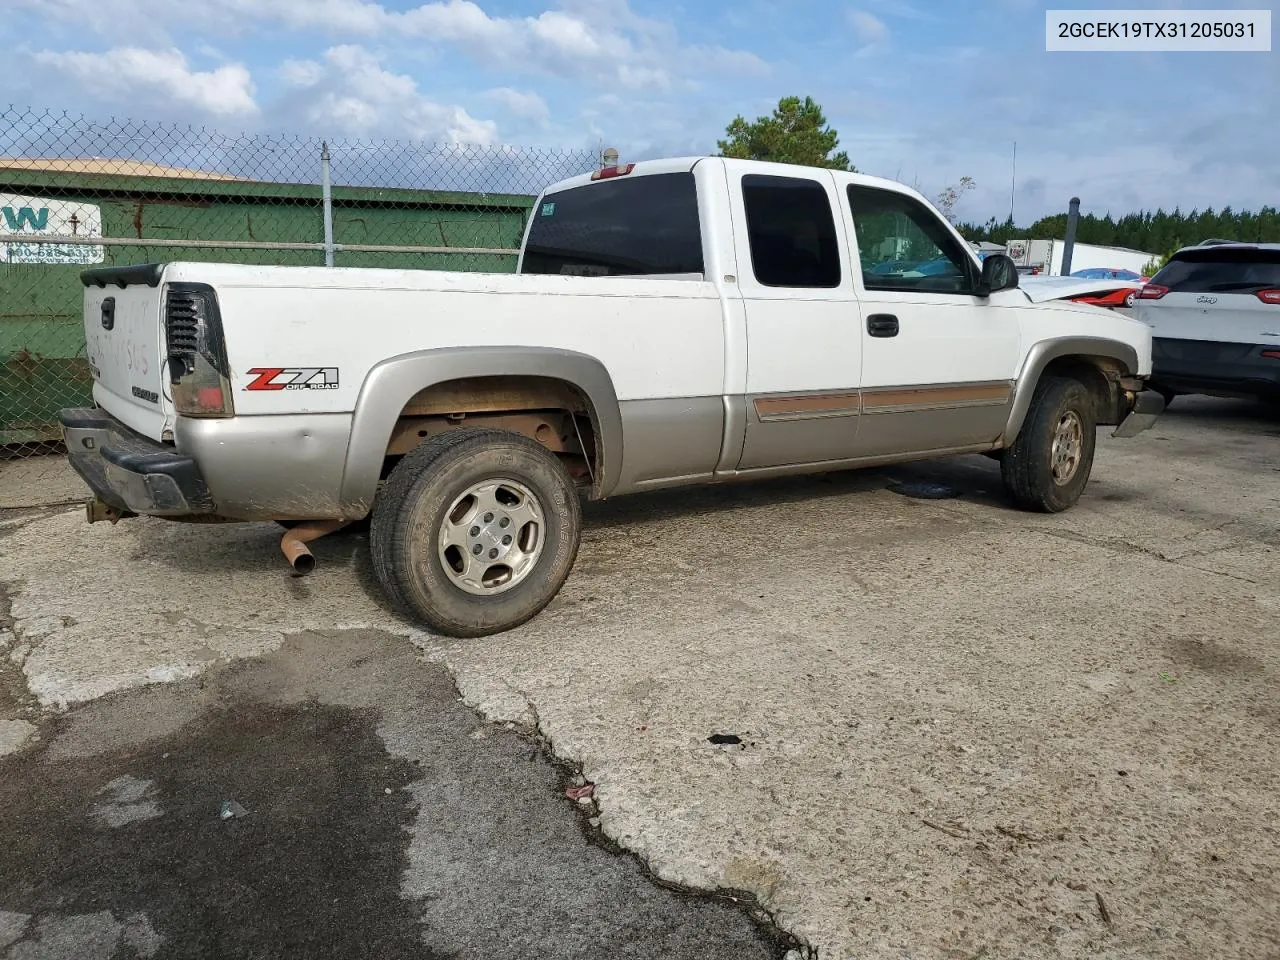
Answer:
(1120, 297)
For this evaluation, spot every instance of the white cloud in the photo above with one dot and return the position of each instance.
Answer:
(570, 36)
(637, 77)
(520, 103)
(901, 8)
(717, 60)
(351, 91)
(869, 28)
(300, 73)
(459, 21)
(127, 74)
(598, 40)
(341, 16)
(553, 41)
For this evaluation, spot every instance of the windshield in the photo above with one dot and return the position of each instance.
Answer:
(1221, 270)
(621, 227)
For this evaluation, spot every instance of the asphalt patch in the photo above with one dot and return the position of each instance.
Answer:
(371, 815)
(313, 869)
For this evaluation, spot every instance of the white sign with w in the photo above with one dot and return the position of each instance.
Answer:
(35, 217)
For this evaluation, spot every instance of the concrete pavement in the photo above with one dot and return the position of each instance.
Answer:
(373, 816)
(963, 728)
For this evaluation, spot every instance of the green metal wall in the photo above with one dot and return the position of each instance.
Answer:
(42, 366)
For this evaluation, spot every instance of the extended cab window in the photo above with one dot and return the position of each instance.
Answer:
(1221, 269)
(622, 227)
(791, 232)
(902, 245)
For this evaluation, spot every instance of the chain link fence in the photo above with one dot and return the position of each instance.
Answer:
(75, 193)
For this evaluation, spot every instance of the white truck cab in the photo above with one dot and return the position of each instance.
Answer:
(671, 322)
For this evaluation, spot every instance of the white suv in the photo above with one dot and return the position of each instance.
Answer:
(1214, 310)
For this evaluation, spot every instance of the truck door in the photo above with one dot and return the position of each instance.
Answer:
(804, 341)
(939, 363)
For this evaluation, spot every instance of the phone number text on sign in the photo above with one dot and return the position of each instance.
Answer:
(1158, 30)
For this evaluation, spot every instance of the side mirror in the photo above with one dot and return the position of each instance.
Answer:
(999, 272)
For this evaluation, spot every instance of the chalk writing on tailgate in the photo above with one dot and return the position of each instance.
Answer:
(126, 354)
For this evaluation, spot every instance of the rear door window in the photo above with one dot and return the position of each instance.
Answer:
(635, 226)
(791, 232)
(1221, 270)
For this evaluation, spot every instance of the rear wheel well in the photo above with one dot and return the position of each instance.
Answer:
(554, 413)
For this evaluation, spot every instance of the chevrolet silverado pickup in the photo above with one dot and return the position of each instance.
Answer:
(670, 322)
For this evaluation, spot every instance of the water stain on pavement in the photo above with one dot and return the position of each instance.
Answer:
(368, 820)
(313, 869)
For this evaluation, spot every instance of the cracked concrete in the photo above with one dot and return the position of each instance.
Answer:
(375, 816)
(38, 481)
(962, 725)
(103, 608)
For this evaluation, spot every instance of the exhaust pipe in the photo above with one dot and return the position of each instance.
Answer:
(98, 510)
(294, 543)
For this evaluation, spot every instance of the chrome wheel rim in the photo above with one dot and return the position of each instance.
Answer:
(1068, 447)
(491, 537)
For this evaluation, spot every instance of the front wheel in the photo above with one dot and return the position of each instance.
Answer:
(1048, 466)
(475, 531)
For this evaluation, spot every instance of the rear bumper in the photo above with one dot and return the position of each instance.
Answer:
(130, 471)
(1210, 367)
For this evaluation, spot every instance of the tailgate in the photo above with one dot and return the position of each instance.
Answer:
(125, 348)
(1224, 317)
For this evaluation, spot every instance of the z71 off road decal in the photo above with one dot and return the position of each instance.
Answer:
(293, 378)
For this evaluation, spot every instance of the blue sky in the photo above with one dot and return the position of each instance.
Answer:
(925, 91)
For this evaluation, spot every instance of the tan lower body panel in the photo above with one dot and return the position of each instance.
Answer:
(940, 396)
(804, 407)
(936, 397)
(874, 421)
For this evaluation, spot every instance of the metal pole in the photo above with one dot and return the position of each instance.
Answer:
(1069, 242)
(327, 200)
(1013, 181)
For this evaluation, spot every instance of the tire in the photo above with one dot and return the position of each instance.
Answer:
(451, 495)
(1061, 409)
(1128, 300)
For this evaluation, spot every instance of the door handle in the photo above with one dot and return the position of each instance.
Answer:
(882, 325)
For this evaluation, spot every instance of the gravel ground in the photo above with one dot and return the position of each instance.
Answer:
(965, 731)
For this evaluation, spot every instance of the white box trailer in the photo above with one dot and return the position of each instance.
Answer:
(1047, 255)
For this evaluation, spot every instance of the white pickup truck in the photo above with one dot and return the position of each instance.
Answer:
(671, 322)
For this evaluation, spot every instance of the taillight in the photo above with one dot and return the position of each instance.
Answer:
(197, 353)
(1269, 296)
(1151, 291)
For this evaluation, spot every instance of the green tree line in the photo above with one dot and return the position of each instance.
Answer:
(1160, 232)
